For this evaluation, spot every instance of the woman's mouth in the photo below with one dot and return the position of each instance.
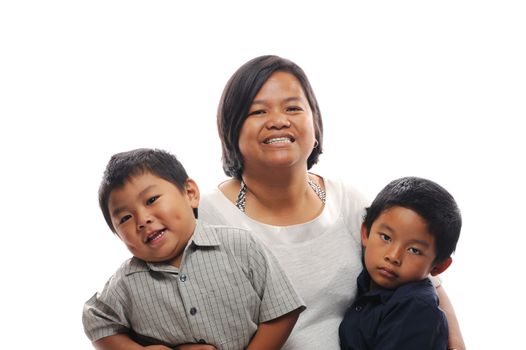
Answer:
(286, 139)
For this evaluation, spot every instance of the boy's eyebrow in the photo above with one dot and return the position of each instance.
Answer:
(412, 241)
(418, 241)
(385, 227)
(116, 211)
(119, 209)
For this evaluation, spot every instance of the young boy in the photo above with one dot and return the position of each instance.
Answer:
(409, 231)
(188, 282)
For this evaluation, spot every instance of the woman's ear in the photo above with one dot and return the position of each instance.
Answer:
(365, 235)
(441, 267)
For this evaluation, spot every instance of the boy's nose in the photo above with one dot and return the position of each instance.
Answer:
(143, 218)
(142, 224)
(393, 256)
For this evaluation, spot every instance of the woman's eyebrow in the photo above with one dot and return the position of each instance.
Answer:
(288, 99)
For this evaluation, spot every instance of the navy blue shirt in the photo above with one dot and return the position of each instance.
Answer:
(405, 318)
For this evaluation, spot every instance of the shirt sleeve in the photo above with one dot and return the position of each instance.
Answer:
(412, 325)
(278, 296)
(104, 313)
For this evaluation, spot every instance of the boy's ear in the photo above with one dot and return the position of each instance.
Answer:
(364, 234)
(192, 192)
(439, 268)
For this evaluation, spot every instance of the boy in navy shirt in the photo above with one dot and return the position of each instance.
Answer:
(409, 231)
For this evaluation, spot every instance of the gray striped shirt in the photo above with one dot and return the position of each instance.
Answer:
(226, 285)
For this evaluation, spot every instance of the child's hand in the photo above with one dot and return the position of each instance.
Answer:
(195, 347)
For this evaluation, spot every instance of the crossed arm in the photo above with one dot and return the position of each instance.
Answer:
(269, 336)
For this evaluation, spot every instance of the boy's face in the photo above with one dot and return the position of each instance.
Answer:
(399, 248)
(153, 217)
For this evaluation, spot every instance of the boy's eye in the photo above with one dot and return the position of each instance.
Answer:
(151, 200)
(124, 219)
(384, 237)
(415, 251)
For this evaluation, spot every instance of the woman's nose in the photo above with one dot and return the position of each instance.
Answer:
(278, 120)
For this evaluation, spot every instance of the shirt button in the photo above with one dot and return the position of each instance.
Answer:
(358, 308)
(193, 311)
(182, 278)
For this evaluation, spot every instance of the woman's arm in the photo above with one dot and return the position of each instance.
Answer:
(455, 336)
(272, 335)
(123, 342)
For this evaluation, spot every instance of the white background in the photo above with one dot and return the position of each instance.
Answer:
(433, 89)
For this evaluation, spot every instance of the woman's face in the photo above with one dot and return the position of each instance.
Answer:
(279, 129)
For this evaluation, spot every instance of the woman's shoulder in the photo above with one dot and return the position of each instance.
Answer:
(218, 195)
(343, 190)
(215, 207)
(229, 189)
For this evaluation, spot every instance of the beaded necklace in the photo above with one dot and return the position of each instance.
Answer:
(241, 197)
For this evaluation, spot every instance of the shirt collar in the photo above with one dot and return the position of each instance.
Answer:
(204, 236)
(364, 283)
(364, 288)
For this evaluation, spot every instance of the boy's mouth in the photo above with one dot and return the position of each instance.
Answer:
(388, 273)
(152, 237)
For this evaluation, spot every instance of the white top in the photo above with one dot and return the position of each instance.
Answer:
(321, 257)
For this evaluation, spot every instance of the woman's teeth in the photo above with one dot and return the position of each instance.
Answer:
(279, 139)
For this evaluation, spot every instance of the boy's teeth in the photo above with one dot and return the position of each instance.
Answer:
(154, 236)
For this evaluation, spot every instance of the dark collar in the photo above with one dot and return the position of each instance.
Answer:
(364, 283)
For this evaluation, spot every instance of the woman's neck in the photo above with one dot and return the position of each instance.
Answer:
(281, 198)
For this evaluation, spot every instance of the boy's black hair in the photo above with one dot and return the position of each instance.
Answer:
(122, 166)
(237, 98)
(431, 201)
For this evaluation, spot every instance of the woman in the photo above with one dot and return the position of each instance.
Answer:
(271, 133)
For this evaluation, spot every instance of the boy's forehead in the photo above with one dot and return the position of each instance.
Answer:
(133, 186)
(406, 222)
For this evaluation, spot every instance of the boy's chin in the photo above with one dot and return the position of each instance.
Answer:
(384, 284)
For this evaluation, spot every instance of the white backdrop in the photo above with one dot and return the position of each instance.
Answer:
(433, 89)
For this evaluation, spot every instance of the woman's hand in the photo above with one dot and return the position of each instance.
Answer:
(194, 347)
(455, 336)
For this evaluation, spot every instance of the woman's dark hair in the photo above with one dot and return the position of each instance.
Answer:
(237, 98)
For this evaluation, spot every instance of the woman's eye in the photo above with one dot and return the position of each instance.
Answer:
(257, 112)
(151, 200)
(294, 109)
(124, 219)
